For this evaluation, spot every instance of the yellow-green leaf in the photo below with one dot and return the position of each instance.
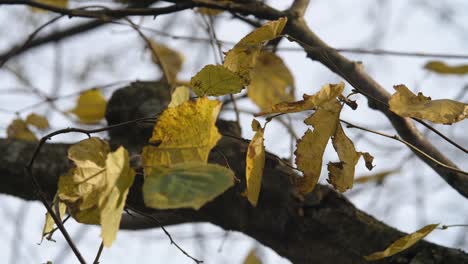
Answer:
(242, 57)
(326, 94)
(90, 107)
(215, 80)
(180, 95)
(310, 148)
(18, 129)
(341, 174)
(406, 104)
(96, 189)
(168, 59)
(255, 162)
(38, 121)
(271, 82)
(443, 68)
(183, 185)
(184, 133)
(252, 258)
(402, 243)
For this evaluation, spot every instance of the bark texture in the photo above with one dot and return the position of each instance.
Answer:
(324, 228)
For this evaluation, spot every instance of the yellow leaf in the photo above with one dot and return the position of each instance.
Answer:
(241, 58)
(255, 163)
(271, 82)
(310, 148)
(95, 190)
(444, 111)
(119, 178)
(18, 129)
(191, 185)
(55, 3)
(170, 60)
(402, 243)
(377, 177)
(184, 133)
(341, 174)
(252, 258)
(59, 209)
(38, 121)
(326, 94)
(180, 95)
(215, 80)
(90, 107)
(442, 68)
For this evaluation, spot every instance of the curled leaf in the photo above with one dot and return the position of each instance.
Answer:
(406, 104)
(326, 94)
(90, 107)
(271, 81)
(95, 190)
(402, 243)
(255, 163)
(215, 80)
(184, 133)
(368, 159)
(183, 185)
(341, 174)
(310, 148)
(18, 129)
(443, 68)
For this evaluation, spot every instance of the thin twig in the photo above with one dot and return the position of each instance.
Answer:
(98, 255)
(3, 60)
(154, 219)
(397, 138)
(104, 13)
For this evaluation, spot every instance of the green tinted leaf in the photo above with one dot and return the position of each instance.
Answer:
(185, 185)
(215, 80)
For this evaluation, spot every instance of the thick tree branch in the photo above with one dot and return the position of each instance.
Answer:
(331, 229)
(104, 13)
(299, 7)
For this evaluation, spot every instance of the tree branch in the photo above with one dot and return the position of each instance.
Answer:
(376, 95)
(326, 228)
(298, 8)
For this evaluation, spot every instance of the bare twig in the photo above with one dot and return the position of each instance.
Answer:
(31, 36)
(397, 138)
(156, 221)
(98, 255)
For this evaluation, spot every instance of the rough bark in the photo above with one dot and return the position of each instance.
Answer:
(325, 228)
